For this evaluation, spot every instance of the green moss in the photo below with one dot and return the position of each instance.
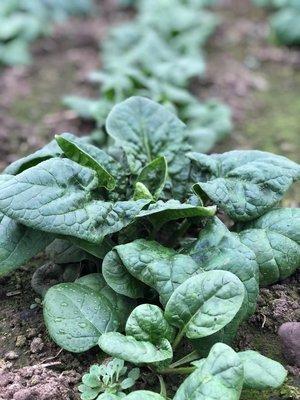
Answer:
(288, 391)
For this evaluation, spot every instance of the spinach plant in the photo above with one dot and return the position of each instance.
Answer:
(141, 221)
(161, 51)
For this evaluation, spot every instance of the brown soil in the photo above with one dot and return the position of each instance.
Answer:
(31, 366)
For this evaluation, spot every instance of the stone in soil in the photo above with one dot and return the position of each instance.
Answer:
(289, 333)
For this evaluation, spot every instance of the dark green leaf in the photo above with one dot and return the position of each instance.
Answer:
(87, 155)
(147, 323)
(275, 240)
(76, 316)
(220, 377)
(161, 212)
(18, 244)
(205, 303)
(154, 176)
(137, 352)
(245, 184)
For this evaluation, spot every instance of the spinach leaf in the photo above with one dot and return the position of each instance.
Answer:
(120, 304)
(135, 351)
(261, 372)
(154, 176)
(219, 249)
(275, 240)
(205, 303)
(18, 244)
(147, 130)
(87, 155)
(244, 183)
(220, 377)
(161, 212)
(62, 251)
(147, 323)
(76, 316)
(159, 267)
(58, 196)
(144, 394)
(119, 279)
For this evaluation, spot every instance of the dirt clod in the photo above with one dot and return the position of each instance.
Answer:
(38, 383)
(36, 345)
(11, 355)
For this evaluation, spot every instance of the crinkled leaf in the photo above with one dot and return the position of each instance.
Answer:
(161, 212)
(275, 240)
(57, 196)
(137, 352)
(120, 304)
(18, 244)
(220, 377)
(244, 183)
(87, 155)
(76, 316)
(154, 175)
(261, 372)
(147, 323)
(205, 303)
(62, 252)
(157, 266)
(119, 279)
(219, 249)
(147, 130)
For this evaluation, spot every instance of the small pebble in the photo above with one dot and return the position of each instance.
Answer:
(21, 340)
(11, 355)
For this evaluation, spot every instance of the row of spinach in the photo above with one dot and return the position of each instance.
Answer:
(158, 54)
(23, 21)
(284, 21)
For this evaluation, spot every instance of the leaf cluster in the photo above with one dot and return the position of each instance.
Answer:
(111, 378)
(23, 21)
(161, 51)
(285, 21)
(155, 264)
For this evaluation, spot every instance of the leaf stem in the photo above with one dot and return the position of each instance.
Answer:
(194, 355)
(163, 389)
(178, 371)
(178, 339)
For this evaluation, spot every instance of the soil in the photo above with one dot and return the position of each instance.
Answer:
(261, 83)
